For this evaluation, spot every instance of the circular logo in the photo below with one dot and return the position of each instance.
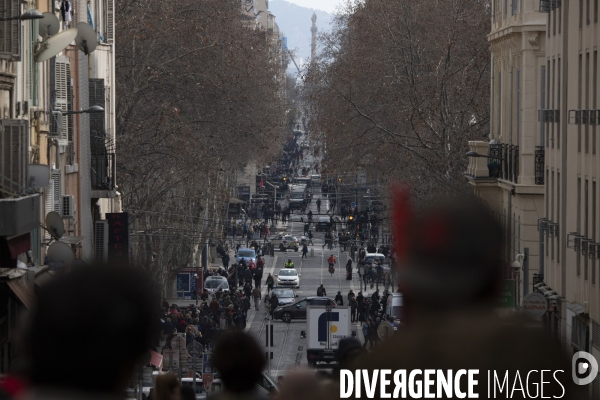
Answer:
(333, 329)
(535, 304)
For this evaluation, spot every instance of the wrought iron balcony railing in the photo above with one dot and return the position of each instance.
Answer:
(539, 165)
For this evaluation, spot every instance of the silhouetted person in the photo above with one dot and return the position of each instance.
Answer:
(103, 316)
(240, 361)
(449, 276)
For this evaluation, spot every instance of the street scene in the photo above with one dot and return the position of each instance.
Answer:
(299, 199)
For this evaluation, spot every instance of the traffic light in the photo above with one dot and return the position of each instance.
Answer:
(339, 179)
(350, 218)
(284, 179)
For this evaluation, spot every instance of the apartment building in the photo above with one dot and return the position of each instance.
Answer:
(55, 156)
(510, 182)
(572, 118)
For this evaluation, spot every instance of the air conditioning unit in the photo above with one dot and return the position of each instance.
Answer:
(101, 241)
(68, 206)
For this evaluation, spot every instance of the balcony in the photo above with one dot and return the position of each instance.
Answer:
(103, 172)
(549, 5)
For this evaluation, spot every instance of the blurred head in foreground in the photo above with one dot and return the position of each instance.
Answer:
(101, 317)
(239, 360)
(453, 256)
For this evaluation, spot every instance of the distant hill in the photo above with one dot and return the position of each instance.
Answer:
(294, 22)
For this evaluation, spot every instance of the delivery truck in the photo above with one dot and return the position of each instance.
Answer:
(324, 332)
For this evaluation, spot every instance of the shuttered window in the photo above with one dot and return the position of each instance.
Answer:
(61, 96)
(10, 31)
(13, 156)
(109, 21)
(97, 124)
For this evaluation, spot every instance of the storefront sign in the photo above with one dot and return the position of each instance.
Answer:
(506, 298)
(535, 304)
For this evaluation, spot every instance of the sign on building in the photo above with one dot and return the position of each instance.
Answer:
(506, 297)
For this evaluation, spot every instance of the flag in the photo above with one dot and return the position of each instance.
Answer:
(89, 15)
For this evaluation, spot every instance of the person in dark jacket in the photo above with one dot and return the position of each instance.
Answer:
(273, 302)
(247, 277)
(339, 299)
(247, 290)
(321, 291)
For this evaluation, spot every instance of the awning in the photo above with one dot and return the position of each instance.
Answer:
(234, 200)
(20, 290)
(19, 245)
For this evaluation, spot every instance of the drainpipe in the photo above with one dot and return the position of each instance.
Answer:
(563, 183)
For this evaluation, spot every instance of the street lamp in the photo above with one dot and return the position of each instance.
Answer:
(59, 114)
(92, 110)
(27, 15)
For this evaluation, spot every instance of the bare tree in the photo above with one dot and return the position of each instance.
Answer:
(400, 87)
(198, 97)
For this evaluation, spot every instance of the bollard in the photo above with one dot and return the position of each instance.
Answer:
(312, 252)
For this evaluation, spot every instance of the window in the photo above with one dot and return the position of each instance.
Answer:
(505, 8)
(578, 222)
(579, 92)
(594, 228)
(10, 45)
(518, 104)
(542, 107)
(554, 12)
(109, 26)
(586, 101)
(595, 10)
(558, 103)
(552, 91)
(552, 193)
(581, 13)
(499, 103)
(594, 95)
(514, 5)
(559, 11)
(558, 194)
(585, 209)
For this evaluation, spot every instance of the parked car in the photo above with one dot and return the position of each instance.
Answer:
(297, 310)
(284, 242)
(212, 284)
(285, 295)
(288, 277)
(323, 224)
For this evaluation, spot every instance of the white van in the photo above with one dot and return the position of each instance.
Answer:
(395, 306)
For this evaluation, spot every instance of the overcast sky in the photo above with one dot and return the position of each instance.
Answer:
(325, 5)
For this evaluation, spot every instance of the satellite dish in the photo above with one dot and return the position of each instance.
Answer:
(59, 252)
(49, 24)
(56, 44)
(86, 39)
(55, 224)
(39, 176)
(79, 263)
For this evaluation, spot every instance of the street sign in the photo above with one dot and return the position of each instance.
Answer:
(506, 297)
(207, 380)
(207, 364)
(535, 304)
(353, 204)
